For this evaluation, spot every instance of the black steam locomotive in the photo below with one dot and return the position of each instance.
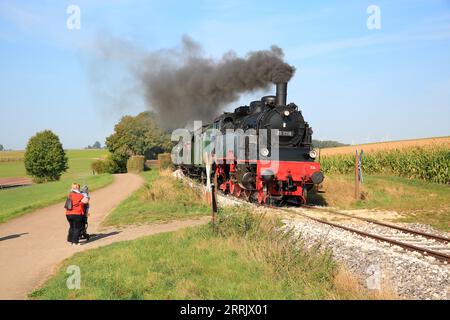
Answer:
(281, 167)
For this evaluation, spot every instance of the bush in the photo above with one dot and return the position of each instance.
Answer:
(135, 164)
(45, 158)
(99, 166)
(107, 165)
(164, 161)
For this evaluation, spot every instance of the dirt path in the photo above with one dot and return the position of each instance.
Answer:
(31, 246)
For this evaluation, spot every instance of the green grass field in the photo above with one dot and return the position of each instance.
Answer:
(248, 258)
(12, 169)
(79, 163)
(417, 200)
(161, 199)
(18, 201)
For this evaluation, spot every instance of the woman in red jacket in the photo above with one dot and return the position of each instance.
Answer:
(75, 214)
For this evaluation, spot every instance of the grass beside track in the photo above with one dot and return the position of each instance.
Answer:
(161, 199)
(417, 201)
(18, 201)
(249, 257)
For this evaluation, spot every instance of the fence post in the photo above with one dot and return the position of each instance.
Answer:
(357, 194)
(214, 203)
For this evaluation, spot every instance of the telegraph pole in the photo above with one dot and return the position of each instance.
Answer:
(357, 193)
(358, 173)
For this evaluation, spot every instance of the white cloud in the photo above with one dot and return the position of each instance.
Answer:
(22, 17)
(308, 51)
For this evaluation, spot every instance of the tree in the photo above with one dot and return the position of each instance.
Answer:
(134, 136)
(45, 158)
(1, 147)
(96, 145)
(327, 144)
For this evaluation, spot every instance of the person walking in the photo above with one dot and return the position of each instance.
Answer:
(75, 210)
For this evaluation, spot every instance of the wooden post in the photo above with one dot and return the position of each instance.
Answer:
(357, 194)
(214, 202)
(208, 182)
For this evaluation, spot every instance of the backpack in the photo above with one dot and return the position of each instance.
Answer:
(68, 205)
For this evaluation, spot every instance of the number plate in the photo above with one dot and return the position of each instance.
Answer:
(285, 133)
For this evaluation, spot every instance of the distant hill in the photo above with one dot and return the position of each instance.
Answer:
(327, 144)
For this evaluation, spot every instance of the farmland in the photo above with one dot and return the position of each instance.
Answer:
(424, 159)
(18, 201)
(11, 163)
(411, 177)
(413, 200)
(392, 145)
(429, 163)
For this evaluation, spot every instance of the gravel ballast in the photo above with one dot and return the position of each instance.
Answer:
(409, 274)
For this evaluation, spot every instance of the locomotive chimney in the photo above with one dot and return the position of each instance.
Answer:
(281, 93)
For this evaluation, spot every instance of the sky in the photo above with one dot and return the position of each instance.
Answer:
(354, 83)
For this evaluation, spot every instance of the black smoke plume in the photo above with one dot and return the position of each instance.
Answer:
(183, 85)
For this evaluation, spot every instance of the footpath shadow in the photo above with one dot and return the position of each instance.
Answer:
(99, 236)
(13, 236)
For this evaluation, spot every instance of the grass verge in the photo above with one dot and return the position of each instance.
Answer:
(163, 198)
(418, 201)
(18, 201)
(249, 257)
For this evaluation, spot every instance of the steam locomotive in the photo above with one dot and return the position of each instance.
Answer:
(277, 169)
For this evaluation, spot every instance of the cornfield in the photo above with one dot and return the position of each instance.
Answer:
(425, 163)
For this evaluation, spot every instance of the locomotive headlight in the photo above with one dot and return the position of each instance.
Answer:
(286, 113)
(264, 152)
(313, 154)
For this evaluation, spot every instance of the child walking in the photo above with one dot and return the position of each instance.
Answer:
(84, 234)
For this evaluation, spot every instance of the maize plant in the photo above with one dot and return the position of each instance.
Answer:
(425, 163)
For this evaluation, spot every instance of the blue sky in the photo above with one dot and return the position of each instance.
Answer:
(353, 84)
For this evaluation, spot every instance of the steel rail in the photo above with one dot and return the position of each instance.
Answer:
(438, 255)
(392, 226)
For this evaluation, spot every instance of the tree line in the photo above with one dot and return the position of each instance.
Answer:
(327, 144)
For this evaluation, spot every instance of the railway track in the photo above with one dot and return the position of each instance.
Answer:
(411, 240)
(388, 225)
